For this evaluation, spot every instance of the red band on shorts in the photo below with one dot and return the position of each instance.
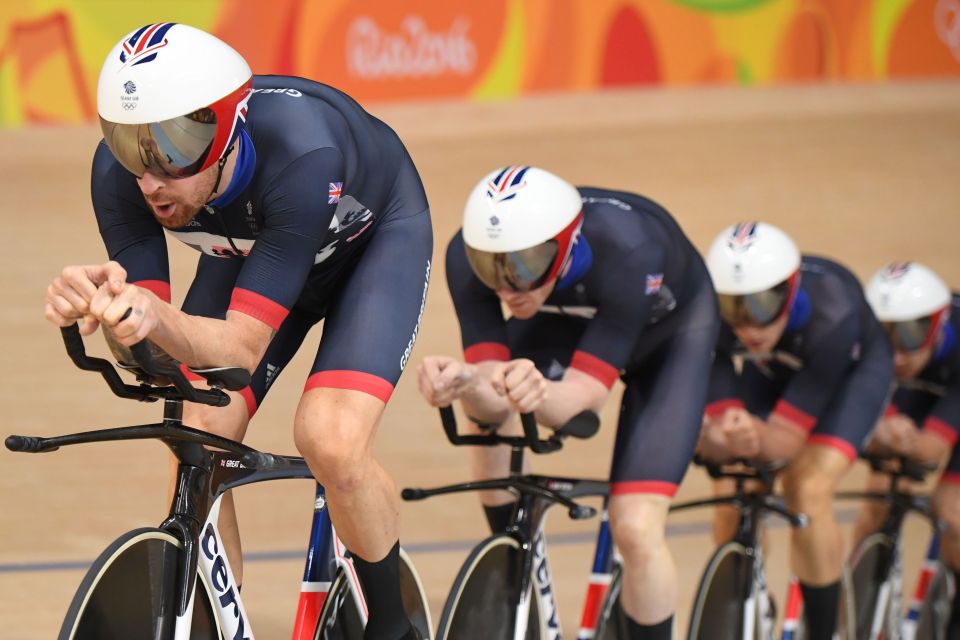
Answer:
(841, 445)
(789, 412)
(719, 407)
(658, 487)
(891, 411)
(259, 307)
(486, 351)
(355, 380)
(940, 428)
(594, 367)
(950, 477)
(159, 288)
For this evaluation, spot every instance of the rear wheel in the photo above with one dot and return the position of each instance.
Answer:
(937, 605)
(341, 620)
(869, 568)
(483, 600)
(129, 592)
(718, 608)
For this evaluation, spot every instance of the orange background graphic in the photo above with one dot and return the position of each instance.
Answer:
(377, 50)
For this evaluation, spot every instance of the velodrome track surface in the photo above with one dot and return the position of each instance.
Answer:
(863, 174)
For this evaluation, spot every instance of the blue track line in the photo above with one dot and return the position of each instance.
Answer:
(678, 530)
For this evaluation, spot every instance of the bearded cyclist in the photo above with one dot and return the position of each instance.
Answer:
(303, 207)
(802, 371)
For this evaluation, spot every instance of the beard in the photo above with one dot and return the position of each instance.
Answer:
(174, 208)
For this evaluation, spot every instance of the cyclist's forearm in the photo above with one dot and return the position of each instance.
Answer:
(779, 440)
(238, 341)
(481, 402)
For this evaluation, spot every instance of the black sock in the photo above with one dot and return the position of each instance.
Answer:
(820, 608)
(381, 586)
(660, 631)
(498, 517)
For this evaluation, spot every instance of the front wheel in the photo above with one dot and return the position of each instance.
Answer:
(937, 605)
(130, 592)
(483, 600)
(718, 609)
(870, 566)
(340, 619)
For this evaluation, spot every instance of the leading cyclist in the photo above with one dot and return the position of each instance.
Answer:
(600, 285)
(922, 318)
(802, 372)
(304, 207)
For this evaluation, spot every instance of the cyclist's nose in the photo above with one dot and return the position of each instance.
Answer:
(150, 183)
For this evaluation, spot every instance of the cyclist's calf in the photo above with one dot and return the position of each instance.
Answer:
(947, 506)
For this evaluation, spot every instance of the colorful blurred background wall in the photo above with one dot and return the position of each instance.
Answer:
(51, 50)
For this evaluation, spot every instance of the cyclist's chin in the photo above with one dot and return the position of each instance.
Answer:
(176, 215)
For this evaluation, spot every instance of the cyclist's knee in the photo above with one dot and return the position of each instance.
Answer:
(335, 453)
(810, 492)
(638, 523)
(947, 504)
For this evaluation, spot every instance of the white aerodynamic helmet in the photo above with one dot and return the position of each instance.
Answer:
(755, 268)
(519, 227)
(911, 301)
(172, 99)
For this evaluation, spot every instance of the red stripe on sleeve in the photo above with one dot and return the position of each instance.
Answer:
(159, 288)
(891, 411)
(257, 306)
(950, 477)
(940, 428)
(790, 413)
(841, 445)
(486, 351)
(593, 366)
(355, 380)
(719, 407)
(643, 486)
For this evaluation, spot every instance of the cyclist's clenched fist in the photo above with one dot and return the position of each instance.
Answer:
(442, 379)
(520, 383)
(70, 294)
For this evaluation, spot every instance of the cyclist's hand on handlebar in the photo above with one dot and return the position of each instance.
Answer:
(520, 383)
(896, 434)
(441, 379)
(70, 294)
(739, 429)
(110, 307)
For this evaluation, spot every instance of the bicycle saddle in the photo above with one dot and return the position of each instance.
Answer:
(229, 378)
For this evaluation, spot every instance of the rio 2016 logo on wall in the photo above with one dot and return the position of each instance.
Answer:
(412, 52)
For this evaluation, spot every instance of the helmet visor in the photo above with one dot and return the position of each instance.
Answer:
(755, 309)
(910, 335)
(520, 271)
(174, 148)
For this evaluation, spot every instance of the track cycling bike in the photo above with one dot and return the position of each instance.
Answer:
(174, 580)
(504, 589)
(875, 567)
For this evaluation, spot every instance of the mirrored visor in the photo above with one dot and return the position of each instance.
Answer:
(755, 309)
(174, 148)
(909, 335)
(521, 271)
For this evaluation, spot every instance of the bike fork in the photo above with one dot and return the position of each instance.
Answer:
(318, 572)
(600, 577)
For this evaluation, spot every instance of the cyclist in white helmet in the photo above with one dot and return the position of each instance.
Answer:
(600, 285)
(922, 318)
(801, 373)
(303, 207)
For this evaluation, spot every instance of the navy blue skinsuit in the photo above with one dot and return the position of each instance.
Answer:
(325, 218)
